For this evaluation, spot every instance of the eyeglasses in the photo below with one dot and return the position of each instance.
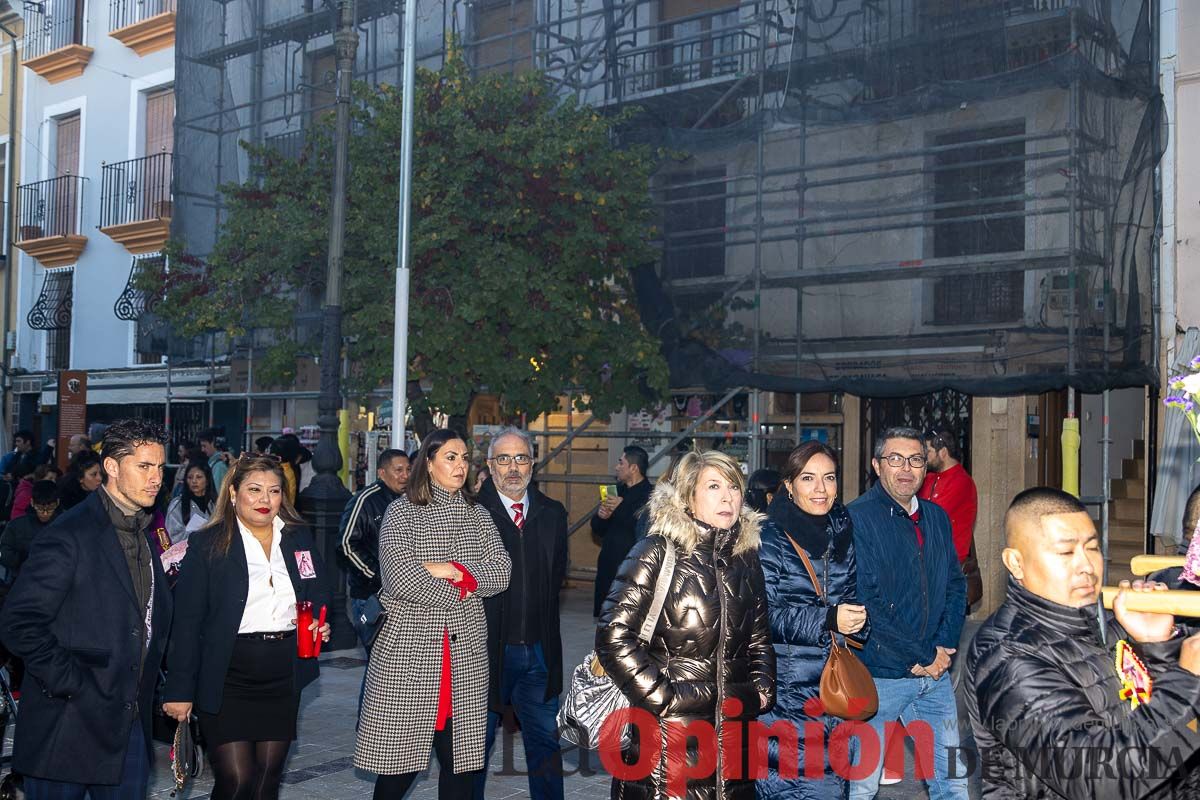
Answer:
(896, 460)
(45, 509)
(504, 461)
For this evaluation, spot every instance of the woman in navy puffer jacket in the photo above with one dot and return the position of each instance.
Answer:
(805, 513)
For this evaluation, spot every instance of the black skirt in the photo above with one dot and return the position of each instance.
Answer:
(259, 702)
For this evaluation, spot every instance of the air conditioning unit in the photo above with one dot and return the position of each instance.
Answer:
(23, 385)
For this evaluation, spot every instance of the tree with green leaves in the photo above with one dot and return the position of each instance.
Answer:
(526, 221)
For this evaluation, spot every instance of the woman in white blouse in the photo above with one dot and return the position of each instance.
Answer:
(192, 508)
(232, 656)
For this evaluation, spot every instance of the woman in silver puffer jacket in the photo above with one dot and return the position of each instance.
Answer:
(712, 643)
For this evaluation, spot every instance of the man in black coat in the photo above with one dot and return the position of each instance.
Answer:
(89, 614)
(616, 521)
(524, 641)
(360, 525)
(1064, 703)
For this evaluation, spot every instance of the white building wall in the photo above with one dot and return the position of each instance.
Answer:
(1185, 127)
(109, 96)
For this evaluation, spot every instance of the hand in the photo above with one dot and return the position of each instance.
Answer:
(444, 570)
(323, 630)
(920, 672)
(1141, 625)
(851, 618)
(609, 506)
(178, 711)
(1189, 654)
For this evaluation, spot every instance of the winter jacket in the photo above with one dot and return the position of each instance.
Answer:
(617, 535)
(360, 537)
(712, 642)
(954, 490)
(800, 625)
(1048, 722)
(17, 537)
(916, 595)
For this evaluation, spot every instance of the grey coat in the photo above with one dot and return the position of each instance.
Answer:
(396, 726)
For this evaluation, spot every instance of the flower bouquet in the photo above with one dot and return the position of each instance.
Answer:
(1184, 393)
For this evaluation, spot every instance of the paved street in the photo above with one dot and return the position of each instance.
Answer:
(320, 762)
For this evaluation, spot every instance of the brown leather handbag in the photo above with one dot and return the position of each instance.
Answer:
(847, 689)
(974, 577)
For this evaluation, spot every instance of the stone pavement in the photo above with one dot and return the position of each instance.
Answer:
(319, 766)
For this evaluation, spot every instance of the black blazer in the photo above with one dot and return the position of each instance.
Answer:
(73, 617)
(209, 599)
(546, 519)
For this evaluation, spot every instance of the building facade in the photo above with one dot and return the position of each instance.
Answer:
(92, 206)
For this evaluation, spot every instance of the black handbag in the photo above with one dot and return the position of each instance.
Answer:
(187, 760)
(372, 618)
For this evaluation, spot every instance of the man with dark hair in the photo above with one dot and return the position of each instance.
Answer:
(360, 533)
(912, 585)
(524, 640)
(89, 614)
(20, 454)
(18, 535)
(210, 439)
(615, 522)
(262, 445)
(1065, 698)
(948, 484)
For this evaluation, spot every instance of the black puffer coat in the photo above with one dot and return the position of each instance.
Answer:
(712, 642)
(800, 625)
(1048, 722)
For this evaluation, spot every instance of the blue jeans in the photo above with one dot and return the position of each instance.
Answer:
(523, 685)
(356, 611)
(135, 777)
(911, 700)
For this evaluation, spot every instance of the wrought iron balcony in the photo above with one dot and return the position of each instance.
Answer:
(50, 220)
(144, 26)
(691, 49)
(135, 202)
(54, 45)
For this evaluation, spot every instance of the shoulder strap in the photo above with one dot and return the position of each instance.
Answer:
(812, 573)
(661, 586)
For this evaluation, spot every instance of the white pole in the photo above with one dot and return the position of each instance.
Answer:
(400, 342)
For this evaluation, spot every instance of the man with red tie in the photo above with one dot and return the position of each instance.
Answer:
(524, 642)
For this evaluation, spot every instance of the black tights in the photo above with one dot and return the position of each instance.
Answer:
(451, 786)
(247, 770)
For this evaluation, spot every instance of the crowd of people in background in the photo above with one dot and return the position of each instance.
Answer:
(453, 577)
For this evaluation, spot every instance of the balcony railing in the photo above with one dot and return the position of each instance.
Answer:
(52, 207)
(123, 13)
(136, 190)
(57, 25)
(691, 49)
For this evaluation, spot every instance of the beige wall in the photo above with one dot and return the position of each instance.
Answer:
(1187, 172)
(1002, 468)
(16, 24)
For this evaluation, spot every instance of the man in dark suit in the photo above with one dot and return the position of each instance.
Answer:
(616, 521)
(89, 615)
(524, 642)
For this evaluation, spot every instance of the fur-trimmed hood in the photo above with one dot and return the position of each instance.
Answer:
(670, 518)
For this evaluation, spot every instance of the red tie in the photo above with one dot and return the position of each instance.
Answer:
(518, 517)
(916, 521)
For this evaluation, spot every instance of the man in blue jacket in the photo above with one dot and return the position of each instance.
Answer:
(916, 597)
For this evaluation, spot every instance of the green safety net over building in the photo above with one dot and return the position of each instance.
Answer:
(885, 197)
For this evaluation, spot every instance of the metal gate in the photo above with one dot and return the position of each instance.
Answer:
(945, 411)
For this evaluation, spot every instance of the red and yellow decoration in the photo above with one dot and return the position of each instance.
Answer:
(1136, 684)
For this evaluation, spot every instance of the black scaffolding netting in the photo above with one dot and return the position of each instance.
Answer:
(885, 197)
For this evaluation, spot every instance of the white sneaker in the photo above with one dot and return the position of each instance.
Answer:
(889, 781)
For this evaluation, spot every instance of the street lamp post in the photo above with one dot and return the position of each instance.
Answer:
(322, 502)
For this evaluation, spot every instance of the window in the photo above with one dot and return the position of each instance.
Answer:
(51, 312)
(701, 40)
(504, 36)
(979, 181)
(694, 225)
(965, 177)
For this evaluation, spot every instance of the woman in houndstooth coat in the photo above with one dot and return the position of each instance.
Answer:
(439, 554)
